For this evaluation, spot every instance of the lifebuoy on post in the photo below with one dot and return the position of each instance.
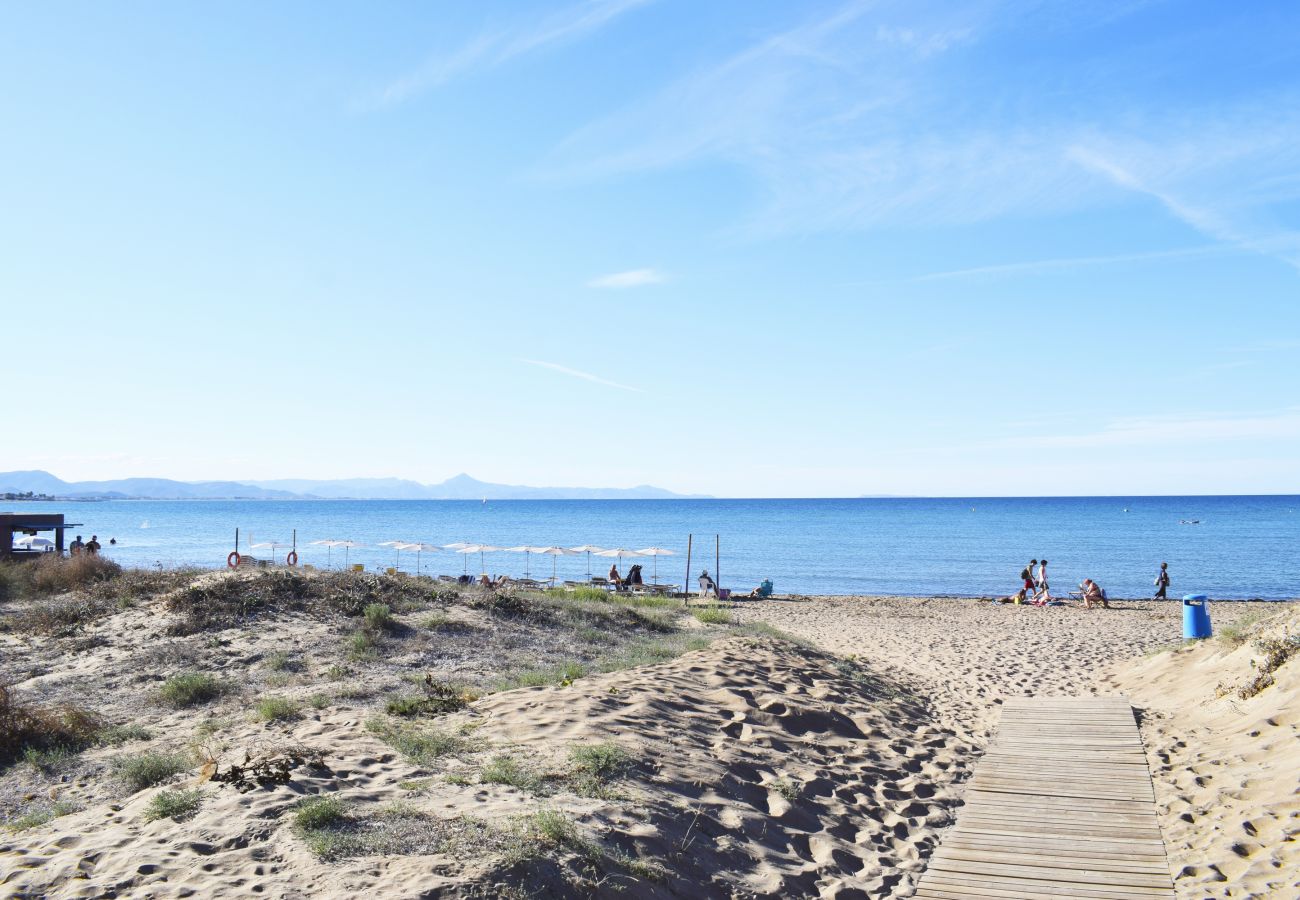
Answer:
(233, 559)
(292, 558)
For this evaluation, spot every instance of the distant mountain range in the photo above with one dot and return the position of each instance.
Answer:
(461, 487)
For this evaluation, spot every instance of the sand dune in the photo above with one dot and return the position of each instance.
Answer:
(1226, 768)
(753, 767)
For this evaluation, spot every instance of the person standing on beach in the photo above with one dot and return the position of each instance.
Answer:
(1027, 576)
(74, 549)
(1044, 593)
(1162, 582)
(92, 546)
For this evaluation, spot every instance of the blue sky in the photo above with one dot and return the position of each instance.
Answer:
(739, 247)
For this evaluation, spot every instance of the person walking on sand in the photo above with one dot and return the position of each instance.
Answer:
(1162, 582)
(1041, 593)
(1027, 576)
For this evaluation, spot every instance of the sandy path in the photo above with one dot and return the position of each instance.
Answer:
(965, 656)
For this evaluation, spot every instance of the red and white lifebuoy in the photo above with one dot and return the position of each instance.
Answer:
(292, 558)
(233, 559)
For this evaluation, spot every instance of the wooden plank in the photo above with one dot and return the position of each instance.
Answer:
(1066, 874)
(1052, 859)
(1061, 807)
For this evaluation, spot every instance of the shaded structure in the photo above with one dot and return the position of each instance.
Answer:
(12, 523)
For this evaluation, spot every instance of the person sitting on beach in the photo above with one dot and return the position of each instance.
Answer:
(634, 576)
(1091, 592)
(707, 584)
(485, 580)
(615, 578)
(502, 581)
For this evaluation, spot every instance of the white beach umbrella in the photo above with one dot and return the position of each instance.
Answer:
(657, 552)
(528, 556)
(419, 549)
(587, 549)
(347, 545)
(32, 542)
(398, 547)
(411, 546)
(619, 553)
(456, 547)
(554, 553)
(328, 544)
(480, 549)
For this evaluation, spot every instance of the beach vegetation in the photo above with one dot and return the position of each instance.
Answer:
(1239, 631)
(192, 689)
(436, 697)
(226, 602)
(319, 812)
(421, 746)
(594, 766)
(116, 735)
(318, 701)
(276, 709)
(561, 674)
(712, 615)
(281, 661)
(363, 646)
(337, 672)
(143, 770)
(379, 618)
(508, 770)
(174, 805)
(40, 815)
(788, 789)
(1275, 652)
(43, 735)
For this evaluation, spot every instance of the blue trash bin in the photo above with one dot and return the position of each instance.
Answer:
(1196, 617)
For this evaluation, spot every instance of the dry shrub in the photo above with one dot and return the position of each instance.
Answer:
(231, 600)
(59, 615)
(23, 726)
(52, 574)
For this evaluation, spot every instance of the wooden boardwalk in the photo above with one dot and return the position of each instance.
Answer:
(1060, 808)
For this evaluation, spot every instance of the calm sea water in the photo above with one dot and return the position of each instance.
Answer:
(1243, 547)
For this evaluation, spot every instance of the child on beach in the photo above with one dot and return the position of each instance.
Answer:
(1162, 582)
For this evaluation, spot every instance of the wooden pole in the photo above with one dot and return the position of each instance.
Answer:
(686, 585)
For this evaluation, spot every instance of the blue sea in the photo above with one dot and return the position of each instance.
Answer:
(1238, 548)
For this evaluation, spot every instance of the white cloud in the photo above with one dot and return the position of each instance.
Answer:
(1068, 262)
(586, 376)
(493, 49)
(884, 114)
(1136, 431)
(630, 279)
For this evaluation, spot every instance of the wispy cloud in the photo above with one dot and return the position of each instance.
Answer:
(1068, 262)
(852, 120)
(492, 49)
(1281, 424)
(630, 279)
(585, 376)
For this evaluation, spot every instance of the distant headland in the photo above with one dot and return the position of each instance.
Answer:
(40, 485)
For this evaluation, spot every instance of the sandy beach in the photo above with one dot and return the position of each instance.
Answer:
(478, 745)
